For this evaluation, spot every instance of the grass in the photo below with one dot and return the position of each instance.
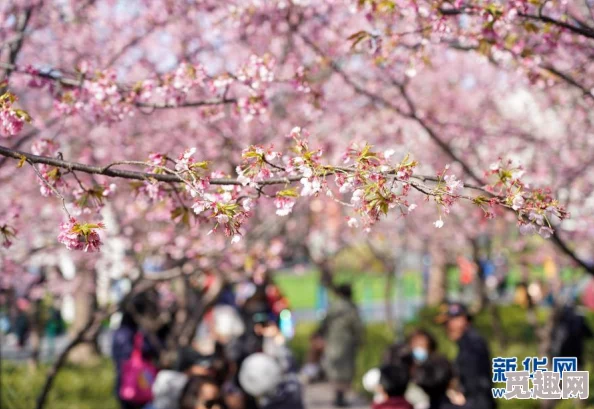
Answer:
(521, 343)
(75, 387)
(302, 289)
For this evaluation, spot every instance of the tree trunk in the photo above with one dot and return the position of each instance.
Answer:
(545, 335)
(390, 272)
(436, 291)
(85, 306)
(483, 299)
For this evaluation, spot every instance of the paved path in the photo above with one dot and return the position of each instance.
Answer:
(321, 395)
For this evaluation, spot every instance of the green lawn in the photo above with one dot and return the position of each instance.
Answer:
(302, 289)
(75, 387)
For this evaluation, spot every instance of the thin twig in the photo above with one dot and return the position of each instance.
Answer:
(53, 189)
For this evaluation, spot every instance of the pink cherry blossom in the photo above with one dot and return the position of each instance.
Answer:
(77, 236)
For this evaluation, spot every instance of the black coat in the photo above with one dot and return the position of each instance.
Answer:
(445, 403)
(473, 367)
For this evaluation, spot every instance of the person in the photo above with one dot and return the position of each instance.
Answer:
(473, 363)
(393, 382)
(22, 324)
(54, 327)
(422, 344)
(201, 392)
(265, 379)
(342, 330)
(435, 376)
(287, 393)
(123, 343)
(398, 353)
(312, 370)
(569, 333)
(121, 350)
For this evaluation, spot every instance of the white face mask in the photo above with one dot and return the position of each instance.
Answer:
(420, 354)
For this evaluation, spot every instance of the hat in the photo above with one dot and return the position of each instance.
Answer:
(371, 380)
(452, 310)
(167, 389)
(227, 322)
(259, 374)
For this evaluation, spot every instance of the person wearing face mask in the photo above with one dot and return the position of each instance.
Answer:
(422, 345)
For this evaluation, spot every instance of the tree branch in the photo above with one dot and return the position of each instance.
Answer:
(583, 31)
(75, 83)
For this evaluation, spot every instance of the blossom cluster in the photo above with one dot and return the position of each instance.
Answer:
(258, 72)
(12, 119)
(377, 185)
(224, 209)
(80, 236)
(375, 182)
(51, 177)
(173, 88)
(8, 231)
(255, 167)
(101, 99)
(446, 193)
(536, 209)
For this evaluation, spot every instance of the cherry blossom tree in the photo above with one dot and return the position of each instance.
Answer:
(205, 128)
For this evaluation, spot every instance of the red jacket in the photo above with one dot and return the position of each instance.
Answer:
(393, 403)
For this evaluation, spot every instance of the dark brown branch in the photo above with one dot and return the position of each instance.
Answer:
(583, 31)
(70, 82)
(15, 47)
(125, 174)
(569, 79)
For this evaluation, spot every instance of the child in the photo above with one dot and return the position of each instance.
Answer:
(201, 392)
(392, 385)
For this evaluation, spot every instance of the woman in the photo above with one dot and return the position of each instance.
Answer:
(342, 330)
(422, 345)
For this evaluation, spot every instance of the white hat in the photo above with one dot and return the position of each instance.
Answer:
(227, 322)
(167, 389)
(371, 379)
(259, 374)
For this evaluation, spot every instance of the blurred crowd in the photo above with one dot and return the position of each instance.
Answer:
(239, 358)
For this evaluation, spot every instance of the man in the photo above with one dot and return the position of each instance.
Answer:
(342, 330)
(569, 334)
(473, 363)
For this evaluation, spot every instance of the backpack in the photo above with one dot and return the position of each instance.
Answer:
(138, 376)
